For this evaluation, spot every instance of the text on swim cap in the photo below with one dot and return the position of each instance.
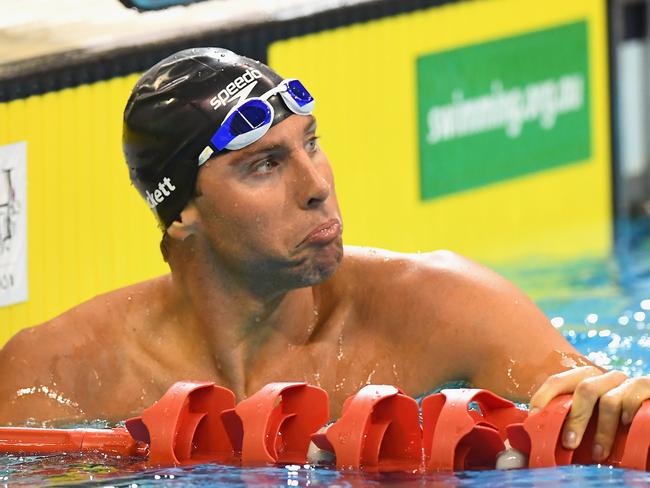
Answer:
(153, 199)
(240, 87)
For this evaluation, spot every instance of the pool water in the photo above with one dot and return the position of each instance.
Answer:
(602, 306)
(66, 470)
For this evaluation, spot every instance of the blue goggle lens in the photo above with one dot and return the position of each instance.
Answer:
(299, 93)
(248, 117)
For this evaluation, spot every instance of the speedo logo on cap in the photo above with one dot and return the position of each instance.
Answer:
(165, 188)
(240, 88)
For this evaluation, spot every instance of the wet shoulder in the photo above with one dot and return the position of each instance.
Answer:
(77, 334)
(107, 313)
(387, 282)
(440, 285)
(380, 270)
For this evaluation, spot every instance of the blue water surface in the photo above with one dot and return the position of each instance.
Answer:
(602, 306)
(89, 471)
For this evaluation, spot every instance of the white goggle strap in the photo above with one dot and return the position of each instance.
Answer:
(205, 155)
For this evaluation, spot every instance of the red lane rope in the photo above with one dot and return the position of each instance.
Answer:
(379, 429)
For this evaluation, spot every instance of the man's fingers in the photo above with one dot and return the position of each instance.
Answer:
(621, 403)
(586, 394)
(557, 384)
(609, 414)
(638, 390)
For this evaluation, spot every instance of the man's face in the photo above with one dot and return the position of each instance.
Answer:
(269, 210)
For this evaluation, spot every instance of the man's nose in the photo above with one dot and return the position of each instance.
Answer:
(313, 188)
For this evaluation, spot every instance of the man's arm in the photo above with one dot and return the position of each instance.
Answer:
(479, 327)
(516, 352)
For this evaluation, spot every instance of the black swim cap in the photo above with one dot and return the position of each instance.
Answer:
(174, 109)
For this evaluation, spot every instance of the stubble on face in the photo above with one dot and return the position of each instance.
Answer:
(321, 265)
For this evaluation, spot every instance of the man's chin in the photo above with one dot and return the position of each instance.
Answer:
(323, 264)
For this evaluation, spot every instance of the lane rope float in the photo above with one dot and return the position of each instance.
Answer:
(379, 430)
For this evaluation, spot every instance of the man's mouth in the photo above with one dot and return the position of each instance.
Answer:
(324, 233)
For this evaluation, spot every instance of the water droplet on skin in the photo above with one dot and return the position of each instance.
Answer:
(369, 380)
(50, 393)
(512, 379)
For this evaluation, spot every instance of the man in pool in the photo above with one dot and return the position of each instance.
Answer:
(261, 288)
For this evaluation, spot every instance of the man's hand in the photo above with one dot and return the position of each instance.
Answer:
(618, 396)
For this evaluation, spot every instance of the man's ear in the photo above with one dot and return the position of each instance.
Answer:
(185, 226)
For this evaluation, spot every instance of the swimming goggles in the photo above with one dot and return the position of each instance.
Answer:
(249, 120)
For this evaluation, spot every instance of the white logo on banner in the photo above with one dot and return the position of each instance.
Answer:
(507, 109)
(13, 223)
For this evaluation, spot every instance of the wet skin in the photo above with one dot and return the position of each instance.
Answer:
(260, 291)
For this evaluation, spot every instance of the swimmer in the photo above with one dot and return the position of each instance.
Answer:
(225, 152)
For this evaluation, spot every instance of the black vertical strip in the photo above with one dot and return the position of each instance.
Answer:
(59, 71)
(611, 55)
(634, 20)
(618, 227)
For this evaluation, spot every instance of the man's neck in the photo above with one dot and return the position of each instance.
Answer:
(235, 321)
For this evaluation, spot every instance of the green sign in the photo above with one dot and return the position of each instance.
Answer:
(502, 109)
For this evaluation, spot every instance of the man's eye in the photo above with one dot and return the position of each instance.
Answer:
(312, 144)
(264, 167)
